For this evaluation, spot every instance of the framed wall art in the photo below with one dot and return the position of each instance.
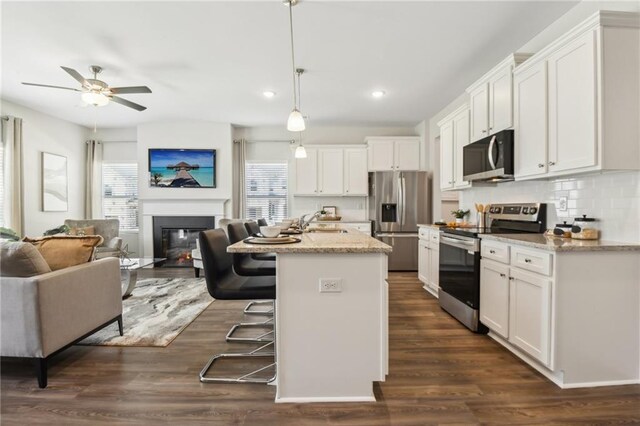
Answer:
(55, 197)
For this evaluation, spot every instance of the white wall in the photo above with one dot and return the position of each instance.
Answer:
(350, 208)
(43, 133)
(183, 201)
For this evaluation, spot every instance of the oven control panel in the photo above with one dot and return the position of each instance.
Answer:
(525, 212)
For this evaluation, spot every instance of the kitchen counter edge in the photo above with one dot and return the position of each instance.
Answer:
(558, 244)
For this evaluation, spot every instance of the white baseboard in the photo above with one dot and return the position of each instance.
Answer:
(325, 399)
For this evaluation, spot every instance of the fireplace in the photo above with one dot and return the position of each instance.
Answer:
(175, 236)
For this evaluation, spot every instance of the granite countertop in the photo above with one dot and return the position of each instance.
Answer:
(321, 242)
(325, 222)
(558, 244)
(431, 225)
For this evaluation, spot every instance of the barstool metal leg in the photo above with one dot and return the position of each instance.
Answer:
(254, 339)
(245, 378)
(268, 311)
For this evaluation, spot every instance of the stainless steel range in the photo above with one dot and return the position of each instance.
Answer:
(460, 257)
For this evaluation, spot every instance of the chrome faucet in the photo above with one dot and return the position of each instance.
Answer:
(304, 223)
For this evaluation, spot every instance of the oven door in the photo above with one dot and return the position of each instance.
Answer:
(460, 268)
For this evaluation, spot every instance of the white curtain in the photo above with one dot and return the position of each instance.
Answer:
(93, 181)
(239, 160)
(13, 191)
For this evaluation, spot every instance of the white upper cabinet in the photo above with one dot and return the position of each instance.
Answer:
(479, 101)
(356, 175)
(446, 155)
(491, 99)
(332, 170)
(454, 135)
(576, 101)
(307, 173)
(330, 166)
(572, 105)
(530, 112)
(394, 153)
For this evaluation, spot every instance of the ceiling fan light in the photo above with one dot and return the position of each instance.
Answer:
(295, 123)
(96, 99)
(300, 152)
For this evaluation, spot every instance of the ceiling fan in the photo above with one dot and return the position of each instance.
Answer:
(97, 92)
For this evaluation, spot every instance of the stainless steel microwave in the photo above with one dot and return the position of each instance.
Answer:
(489, 159)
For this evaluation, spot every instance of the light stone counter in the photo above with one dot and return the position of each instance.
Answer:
(431, 225)
(352, 241)
(558, 244)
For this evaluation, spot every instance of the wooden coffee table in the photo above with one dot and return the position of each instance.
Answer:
(129, 271)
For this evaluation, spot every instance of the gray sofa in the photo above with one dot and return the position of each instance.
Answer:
(109, 229)
(43, 314)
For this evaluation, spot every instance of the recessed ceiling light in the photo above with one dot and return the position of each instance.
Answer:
(378, 93)
(268, 94)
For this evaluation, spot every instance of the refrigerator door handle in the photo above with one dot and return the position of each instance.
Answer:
(404, 201)
(400, 197)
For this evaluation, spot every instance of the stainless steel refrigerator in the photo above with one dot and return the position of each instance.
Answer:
(398, 202)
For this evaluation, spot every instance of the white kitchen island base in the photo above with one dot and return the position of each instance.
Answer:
(331, 316)
(331, 346)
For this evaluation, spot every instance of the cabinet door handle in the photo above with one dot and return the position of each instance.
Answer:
(490, 128)
(484, 131)
(492, 251)
(552, 163)
(527, 260)
(503, 275)
(347, 190)
(511, 278)
(540, 165)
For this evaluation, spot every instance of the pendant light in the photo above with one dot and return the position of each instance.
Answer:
(295, 123)
(300, 151)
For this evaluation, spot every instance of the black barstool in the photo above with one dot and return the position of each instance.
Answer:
(224, 284)
(262, 222)
(244, 265)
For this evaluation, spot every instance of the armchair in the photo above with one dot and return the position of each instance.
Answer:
(109, 229)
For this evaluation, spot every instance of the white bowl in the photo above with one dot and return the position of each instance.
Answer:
(285, 224)
(270, 231)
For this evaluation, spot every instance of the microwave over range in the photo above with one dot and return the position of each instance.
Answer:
(489, 159)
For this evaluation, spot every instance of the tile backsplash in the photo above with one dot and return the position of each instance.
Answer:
(350, 208)
(613, 198)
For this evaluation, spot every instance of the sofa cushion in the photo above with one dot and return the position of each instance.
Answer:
(87, 230)
(64, 251)
(18, 259)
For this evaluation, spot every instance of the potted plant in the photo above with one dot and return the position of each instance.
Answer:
(459, 214)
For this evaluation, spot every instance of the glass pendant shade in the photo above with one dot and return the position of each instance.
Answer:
(97, 99)
(295, 123)
(301, 152)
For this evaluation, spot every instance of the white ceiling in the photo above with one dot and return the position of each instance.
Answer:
(212, 60)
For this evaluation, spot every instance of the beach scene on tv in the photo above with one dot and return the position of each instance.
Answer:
(182, 168)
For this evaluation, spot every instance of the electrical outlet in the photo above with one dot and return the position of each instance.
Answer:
(330, 285)
(562, 204)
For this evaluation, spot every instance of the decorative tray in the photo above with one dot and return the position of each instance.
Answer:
(277, 240)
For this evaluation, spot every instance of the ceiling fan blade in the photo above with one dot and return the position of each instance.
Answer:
(48, 85)
(126, 90)
(75, 74)
(127, 103)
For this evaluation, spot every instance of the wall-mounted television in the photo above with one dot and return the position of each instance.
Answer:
(182, 168)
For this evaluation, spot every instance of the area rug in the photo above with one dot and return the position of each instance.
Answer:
(156, 312)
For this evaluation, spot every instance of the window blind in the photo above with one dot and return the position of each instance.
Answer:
(120, 194)
(266, 191)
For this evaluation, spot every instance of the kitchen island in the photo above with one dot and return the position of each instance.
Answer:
(331, 315)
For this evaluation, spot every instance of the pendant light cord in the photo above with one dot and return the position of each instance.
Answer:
(293, 58)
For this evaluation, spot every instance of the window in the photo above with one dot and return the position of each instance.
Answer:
(266, 191)
(120, 194)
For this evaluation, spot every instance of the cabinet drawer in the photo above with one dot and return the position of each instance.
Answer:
(495, 251)
(423, 232)
(531, 260)
(434, 237)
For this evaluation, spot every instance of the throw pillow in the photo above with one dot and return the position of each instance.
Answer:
(19, 259)
(63, 251)
(87, 230)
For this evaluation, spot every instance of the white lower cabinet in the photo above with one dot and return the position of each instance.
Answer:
(530, 314)
(429, 259)
(494, 297)
(515, 304)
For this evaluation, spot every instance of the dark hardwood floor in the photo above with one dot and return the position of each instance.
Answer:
(439, 373)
